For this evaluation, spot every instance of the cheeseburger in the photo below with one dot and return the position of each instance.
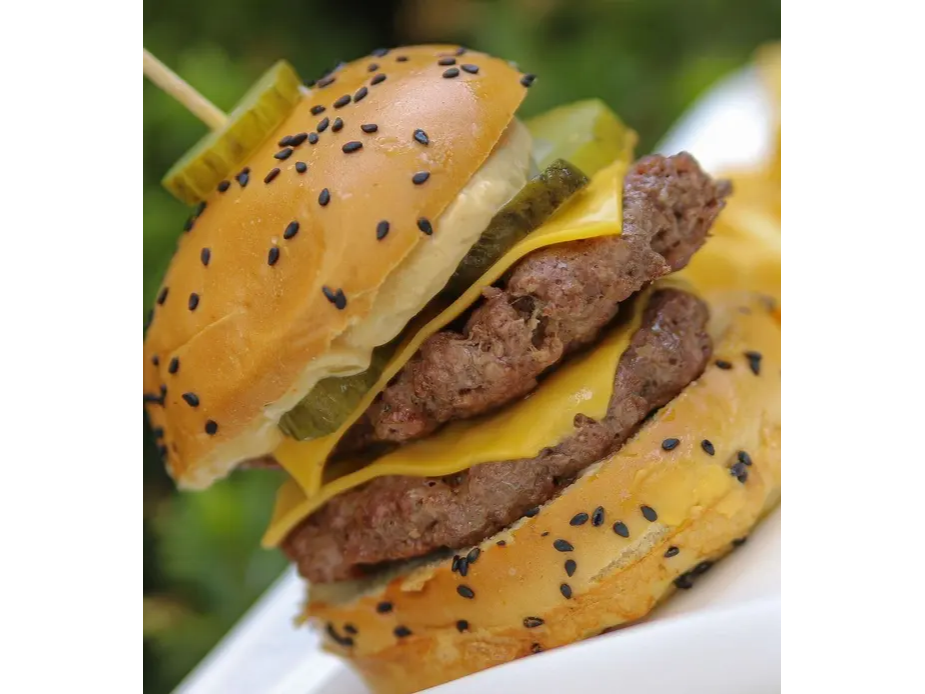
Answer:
(504, 425)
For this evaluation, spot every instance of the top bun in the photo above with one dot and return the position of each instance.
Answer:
(278, 272)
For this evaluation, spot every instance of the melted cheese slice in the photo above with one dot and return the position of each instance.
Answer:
(517, 431)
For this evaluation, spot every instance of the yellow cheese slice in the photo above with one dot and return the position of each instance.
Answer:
(582, 385)
(596, 210)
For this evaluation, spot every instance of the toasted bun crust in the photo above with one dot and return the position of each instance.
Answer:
(266, 306)
(683, 498)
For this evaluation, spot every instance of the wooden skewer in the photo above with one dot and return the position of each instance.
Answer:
(179, 89)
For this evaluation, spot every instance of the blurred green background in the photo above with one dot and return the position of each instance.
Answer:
(648, 59)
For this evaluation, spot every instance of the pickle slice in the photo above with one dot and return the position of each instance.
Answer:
(526, 211)
(333, 399)
(217, 155)
(586, 133)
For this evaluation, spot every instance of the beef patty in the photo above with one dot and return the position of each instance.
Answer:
(398, 517)
(556, 299)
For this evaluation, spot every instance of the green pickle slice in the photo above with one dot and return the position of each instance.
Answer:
(526, 211)
(217, 155)
(331, 401)
(586, 133)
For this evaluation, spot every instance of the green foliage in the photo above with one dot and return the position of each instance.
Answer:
(648, 59)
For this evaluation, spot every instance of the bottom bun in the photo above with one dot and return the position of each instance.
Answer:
(631, 530)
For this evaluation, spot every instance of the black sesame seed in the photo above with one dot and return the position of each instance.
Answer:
(372, 67)
(243, 177)
(163, 392)
(463, 566)
(337, 125)
(446, 61)
(360, 95)
(329, 294)
(402, 631)
(369, 127)
(152, 399)
(350, 629)
(173, 366)
(470, 68)
(283, 154)
(425, 226)
(200, 208)
(337, 638)
(597, 518)
(384, 607)
(402, 59)
(566, 591)
(536, 648)
(301, 166)
(462, 625)
(744, 458)
(740, 472)
(563, 545)
(291, 230)
(273, 173)
(707, 447)
(205, 255)
(223, 186)
(158, 432)
(193, 301)
(421, 136)
(684, 581)
(340, 300)
(473, 555)
(739, 541)
(273, 256)
(286, 141)
(579, 519)
(620, 529)
(162, 451)
(754, 362)
(649, 513)
(449, 73)
(465, 591)
(352, 146)
(323, 124)
(162, 296)
(191, 399)
(544, 533)
(342, 101)
(461, 50)
(188, 224)
(211, 427)
(455, 563)
(533, 622)
(420, 177)
(155, 360)
(701, 568)
(382, 230)
(570, 567)
(527, 80)
(723, 364)
(324, 197)
(316, 110)
(501, 543)
(298, 139)
(326, 81)
(670, 444)
(380, 52)
(313, 138)
(532, 511)
(377, 79)
(671, 552)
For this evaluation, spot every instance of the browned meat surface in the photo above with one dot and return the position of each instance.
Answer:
(393, 518)
(555, 299)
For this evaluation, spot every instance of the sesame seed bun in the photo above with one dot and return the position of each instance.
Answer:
(630, 531)
(320, 248)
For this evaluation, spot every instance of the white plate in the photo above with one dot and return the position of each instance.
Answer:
(721, 637)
